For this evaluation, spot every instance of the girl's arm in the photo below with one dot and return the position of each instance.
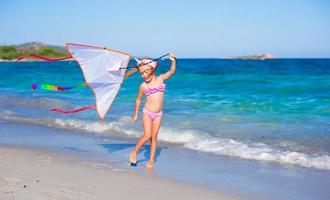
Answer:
(131, 72)
(137, 104)
(168, 74)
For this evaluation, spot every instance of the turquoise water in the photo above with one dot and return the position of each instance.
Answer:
(272, 110)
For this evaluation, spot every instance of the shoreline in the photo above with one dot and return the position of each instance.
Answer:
(38, 174)
(239, 178)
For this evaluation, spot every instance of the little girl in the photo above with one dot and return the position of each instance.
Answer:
(153, 88)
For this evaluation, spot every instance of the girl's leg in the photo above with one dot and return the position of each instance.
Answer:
(147, 124)
(154, 136)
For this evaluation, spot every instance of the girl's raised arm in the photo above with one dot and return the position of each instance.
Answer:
(131, 72)
(168, 74)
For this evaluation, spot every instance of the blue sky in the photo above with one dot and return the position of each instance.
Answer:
(208, 28)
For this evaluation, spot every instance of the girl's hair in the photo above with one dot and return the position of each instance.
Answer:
(148, 59)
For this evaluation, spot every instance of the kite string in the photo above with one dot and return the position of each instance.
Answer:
(159, 58)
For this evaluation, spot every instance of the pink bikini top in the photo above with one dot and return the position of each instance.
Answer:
(151, 90)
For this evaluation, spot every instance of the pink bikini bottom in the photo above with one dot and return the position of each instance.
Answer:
(153, 115)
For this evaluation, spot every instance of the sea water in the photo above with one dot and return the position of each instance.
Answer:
(277, 110)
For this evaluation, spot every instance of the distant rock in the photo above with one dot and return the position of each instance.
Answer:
(255, 57)
(35, 46)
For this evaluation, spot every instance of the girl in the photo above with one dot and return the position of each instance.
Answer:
(153, 88)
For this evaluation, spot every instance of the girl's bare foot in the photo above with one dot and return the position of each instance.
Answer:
(150, 164)
(132, 157)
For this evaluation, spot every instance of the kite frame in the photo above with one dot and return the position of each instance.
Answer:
(96, 47)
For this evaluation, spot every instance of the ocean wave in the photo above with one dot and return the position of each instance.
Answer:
(188, 138)
(41, 102)
(259, 151)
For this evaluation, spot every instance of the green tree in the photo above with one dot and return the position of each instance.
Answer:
(8, 52)
(49, 52)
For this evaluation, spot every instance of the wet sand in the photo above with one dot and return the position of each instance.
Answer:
(27, 173)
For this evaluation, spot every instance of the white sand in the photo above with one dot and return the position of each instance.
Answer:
(34, 174)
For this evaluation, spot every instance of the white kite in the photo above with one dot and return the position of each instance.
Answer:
(103, 70)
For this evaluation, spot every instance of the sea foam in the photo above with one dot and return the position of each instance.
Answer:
(187, 138)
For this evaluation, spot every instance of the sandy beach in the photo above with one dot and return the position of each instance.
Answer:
(34, 174)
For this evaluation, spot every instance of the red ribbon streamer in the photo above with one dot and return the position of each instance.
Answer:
(43, 58)
(72, 111)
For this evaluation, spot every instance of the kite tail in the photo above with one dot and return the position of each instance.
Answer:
(72, 111)
(54, 87)
(42, 58)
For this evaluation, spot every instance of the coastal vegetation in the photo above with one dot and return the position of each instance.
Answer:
(12, 52)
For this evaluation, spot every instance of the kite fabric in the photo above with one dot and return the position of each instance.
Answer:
(100, 67)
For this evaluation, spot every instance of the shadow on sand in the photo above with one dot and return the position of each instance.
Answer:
(112, 148)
